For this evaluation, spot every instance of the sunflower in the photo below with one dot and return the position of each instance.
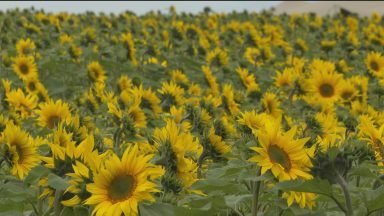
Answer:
(271, 105)
(21, 153)
(372, 135)
(323, 87)
(248, 80)
(217, 142)
(286, 78)
(178, 149)
(32, 85)
(95, 72)
(123, 183)
(172, 94)
(25, 47)
(148, 99)
(211, 79)
(375, 63)
(348, 91)
(51, 113)
(22, 105)
(253, 56)
(179, 77)
(229, 99)
(285, 156)
(252, 120)
(129, 43)
(124, 83)
(25, 67)
(303, 199)
(217, 57)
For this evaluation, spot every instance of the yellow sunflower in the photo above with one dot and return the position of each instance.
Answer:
(323, 87)
(52, 113)
(303, 199)
(348, 91)
(217, 142)
(281, 153)
(171, 140)
(96, 72)
(229, 99)
(375, 63)
(21, 150)
(252, 120)
(25, 47)
(172, 94)
(25, 67)
(248, 80)
(271, 105)
(21, 104)
(253, 56)
(211, 79)
(122, 184)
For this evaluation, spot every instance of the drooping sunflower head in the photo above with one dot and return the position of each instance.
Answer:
(124, 83)
(21, 152)
(253, 56)
(271, 105)
(172, 94)
(229, 102)
(122, 184)
(348, 91)
(96, 72)
(217, 57)
(51, 113)
(25, 47)
(218, 144)
(281, 153)
(25, 67)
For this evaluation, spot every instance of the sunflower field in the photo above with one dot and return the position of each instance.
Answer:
(228, 114)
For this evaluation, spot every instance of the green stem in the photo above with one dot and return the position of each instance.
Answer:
(255, 193)
(57, 205)
(343, 184)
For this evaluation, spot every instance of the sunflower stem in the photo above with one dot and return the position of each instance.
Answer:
(56, 204)
(343, 184)
(255, 192)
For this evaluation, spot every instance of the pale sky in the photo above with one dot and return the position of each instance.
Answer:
(139, 7)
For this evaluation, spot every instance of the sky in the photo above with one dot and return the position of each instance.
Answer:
(139, 7)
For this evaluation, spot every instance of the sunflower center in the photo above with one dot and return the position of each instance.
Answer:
(53, 121)
(374, 65)
(32, 86)
(121, 187)
(278, 155)
(326, 90)
(346, 95)
(24, 68)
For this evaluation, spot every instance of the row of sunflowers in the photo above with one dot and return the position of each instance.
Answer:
(172, 113)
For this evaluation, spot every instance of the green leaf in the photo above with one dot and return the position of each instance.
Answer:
(312, 186)
(36, 174)
(57, 182)
(81, 211)
(156, 209)
(376, 204)
(67, 212)
(11, 208)
(362, 171)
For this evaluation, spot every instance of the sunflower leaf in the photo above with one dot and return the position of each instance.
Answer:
(57, 182)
